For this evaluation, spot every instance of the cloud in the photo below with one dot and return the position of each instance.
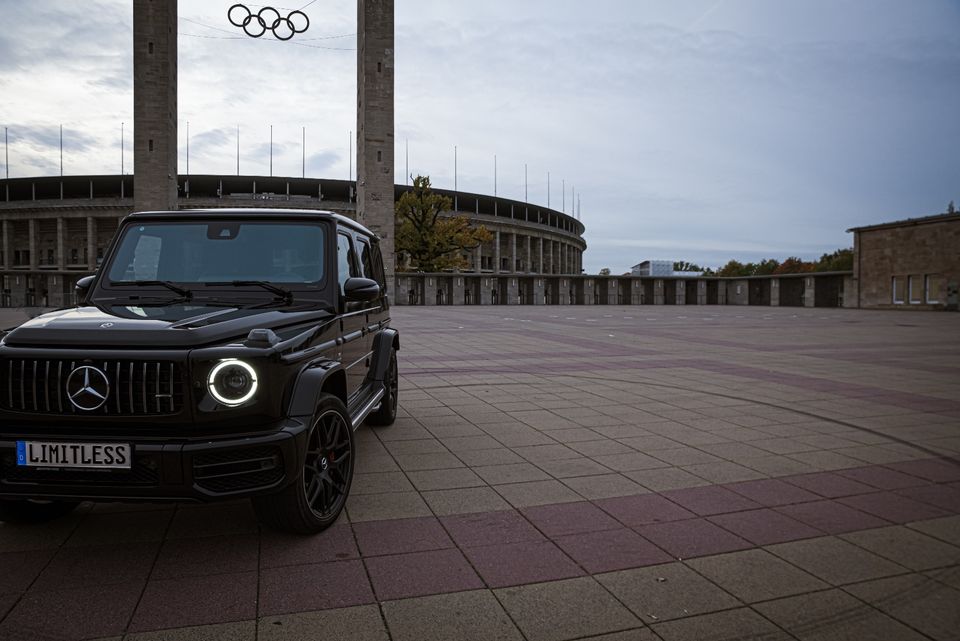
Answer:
(320, 164)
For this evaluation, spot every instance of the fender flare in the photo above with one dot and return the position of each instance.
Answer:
(388, 339)
(306, 390)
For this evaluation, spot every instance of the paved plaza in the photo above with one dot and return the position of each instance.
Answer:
(557, 473)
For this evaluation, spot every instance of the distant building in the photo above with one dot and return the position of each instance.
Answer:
(658, 268)
(913, 263)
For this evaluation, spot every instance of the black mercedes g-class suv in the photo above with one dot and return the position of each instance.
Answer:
(215, 354)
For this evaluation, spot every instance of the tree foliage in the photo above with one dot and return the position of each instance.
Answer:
(430, 241)
(605, 271)
(684, 266)
(839, 261)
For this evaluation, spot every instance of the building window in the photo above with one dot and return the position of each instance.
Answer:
(932, 288)
(897, 286)
(915, 285)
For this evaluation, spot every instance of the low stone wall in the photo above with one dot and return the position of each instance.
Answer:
(799, 290)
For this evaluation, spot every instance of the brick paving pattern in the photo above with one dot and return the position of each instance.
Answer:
(574, 473)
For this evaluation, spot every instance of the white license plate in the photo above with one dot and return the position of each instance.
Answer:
(106, 456)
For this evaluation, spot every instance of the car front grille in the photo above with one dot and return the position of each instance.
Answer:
(136, 388)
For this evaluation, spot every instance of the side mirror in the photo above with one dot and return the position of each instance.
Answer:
(361, 290)
(82, 288)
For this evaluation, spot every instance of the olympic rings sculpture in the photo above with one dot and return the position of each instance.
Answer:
(268, 19)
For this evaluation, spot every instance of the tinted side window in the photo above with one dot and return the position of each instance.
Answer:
(346, 262)
(378, 274)
(366, 258)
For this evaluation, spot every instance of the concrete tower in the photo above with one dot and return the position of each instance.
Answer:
(154, 104)
(375, 73)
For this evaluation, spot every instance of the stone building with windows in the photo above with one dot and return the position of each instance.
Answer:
(908, 264)
(53, 230)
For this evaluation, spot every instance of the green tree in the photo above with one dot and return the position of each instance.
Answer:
(605, 271)
(684, 266)
(794, 265)
(839, 261)
(434, 242)
(734, 268)
(766, 267)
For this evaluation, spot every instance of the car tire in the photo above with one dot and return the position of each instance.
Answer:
(386, 414)
(25, 511)
(314, 501)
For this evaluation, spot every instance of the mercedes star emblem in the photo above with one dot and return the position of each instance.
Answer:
(87, 388)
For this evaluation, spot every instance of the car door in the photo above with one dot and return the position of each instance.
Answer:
(353, 317)
(374, 308)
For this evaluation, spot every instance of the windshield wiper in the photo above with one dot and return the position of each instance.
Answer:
(282, 294)
(182, 291)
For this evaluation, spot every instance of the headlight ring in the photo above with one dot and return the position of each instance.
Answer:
(232, 382)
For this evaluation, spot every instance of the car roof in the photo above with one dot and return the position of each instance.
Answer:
(252, 213)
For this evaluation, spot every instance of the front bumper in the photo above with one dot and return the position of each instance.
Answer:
(166, 470)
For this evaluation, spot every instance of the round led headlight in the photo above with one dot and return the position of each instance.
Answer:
(232, 382)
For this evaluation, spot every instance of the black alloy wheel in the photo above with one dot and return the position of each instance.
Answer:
(386, 414)
(329, 464)
(313, 502)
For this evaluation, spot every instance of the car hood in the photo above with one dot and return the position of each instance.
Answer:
(174, 326)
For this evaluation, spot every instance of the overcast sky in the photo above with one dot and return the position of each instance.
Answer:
(696, 130)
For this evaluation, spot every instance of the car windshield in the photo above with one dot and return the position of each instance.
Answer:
(220, 253)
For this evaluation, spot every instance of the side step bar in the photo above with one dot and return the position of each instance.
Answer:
(369, 406)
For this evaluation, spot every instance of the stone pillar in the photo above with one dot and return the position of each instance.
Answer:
(540, 269)
(154, 105)
(538, 292)
(513, 253)
(564, 292)
(496, 252)
(528, 258)
(513, 291)
(549, 269)
(487, 285)
(91, 243)
(636, 292)
(613, 291)
(658, 292)
(681, 290)
(430, 291)
(375, 114)
(457, 290)
(7, 260)
(810, 292)
(32, 243)
(589, 289)
(61, 259)
(774, 292)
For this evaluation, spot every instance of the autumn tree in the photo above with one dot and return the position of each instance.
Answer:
(794, 265)
(604, 272)
(431, 239)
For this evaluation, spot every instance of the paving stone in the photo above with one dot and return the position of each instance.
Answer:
(706, 501)
(360, 623)
(379, 483)
(664, 592)
(464, 501)
(834, 616)
(90, 612)
(836, 561)
(946, 529)
(522, 495)
(600, 447)
(480, 458)
(239, 631)
(772, 492)
(490, 528)
(893, 507)
(543, 612)
(666, 478)
(920, 602)
(511, 473)
(382, 507)
(420, 446)
(20, 538)
(832, 517)
(692, 538)
(437, 461)
(764, 527)
(193, 601)
(947, 576)
(377, 538)
(474, 616)
(643, 509)
(445, 479)
(936, 470)
(421, 573)
(942, 496)
(199, 557)
(741, 624)
(685, 456)
(829, 484)
(20, 569)
(304, 588)
(569, 518)
(570, 468)
(110, 529)
(902, 545)
(209, 520)
(882, 478)
(755, 575)
(603, 486)
(724, 472)
(336, 543)
(611, 550)
(518, 563)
